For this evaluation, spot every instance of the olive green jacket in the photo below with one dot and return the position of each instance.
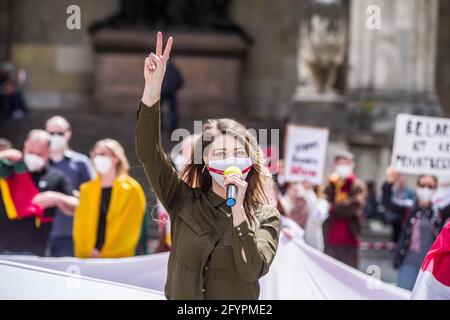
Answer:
(206, 259)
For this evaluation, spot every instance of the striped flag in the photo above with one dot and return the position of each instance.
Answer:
(18, 190)
(433, 281)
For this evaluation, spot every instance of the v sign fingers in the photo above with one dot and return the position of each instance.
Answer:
(167, 50)
(154, 70)
(159, 44)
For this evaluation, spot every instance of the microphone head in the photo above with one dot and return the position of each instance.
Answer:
(232, 170)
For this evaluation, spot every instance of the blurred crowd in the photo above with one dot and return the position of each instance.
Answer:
(12, 105)
(332, 215)
(58, 202)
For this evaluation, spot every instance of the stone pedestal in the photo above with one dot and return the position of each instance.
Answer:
(321, 111)
(210, 63)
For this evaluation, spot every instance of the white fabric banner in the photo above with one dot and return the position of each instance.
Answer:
(298, 272)
(26, 282)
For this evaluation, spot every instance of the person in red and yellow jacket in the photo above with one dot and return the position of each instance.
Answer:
(347, 196)
(30, 194)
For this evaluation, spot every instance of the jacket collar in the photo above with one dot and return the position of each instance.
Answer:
(214, 199)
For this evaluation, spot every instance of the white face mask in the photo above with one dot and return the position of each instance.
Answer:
(216, 168)
(180, 162)
(102, 164)
(33, 162)
(281, 180)
(57, 143)
(425, 194)
(344, 170)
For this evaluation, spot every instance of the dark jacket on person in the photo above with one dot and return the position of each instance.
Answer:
(206, 260)
(29, 235)
(409, 215)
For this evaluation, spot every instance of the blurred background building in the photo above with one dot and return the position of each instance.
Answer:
(325, 63)
(314, 62)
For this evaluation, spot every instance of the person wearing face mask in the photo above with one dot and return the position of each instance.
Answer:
(347, 196)
(421, 226)
(403, 196)
(77, 168)
(304, 205)
(218, 252)
(31, 192)
(109, 217)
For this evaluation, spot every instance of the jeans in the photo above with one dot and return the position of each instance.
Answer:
(406, 277)
(61, 247)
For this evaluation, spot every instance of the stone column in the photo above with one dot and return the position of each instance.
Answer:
(400, 55)
(391, 70)
(393, 67)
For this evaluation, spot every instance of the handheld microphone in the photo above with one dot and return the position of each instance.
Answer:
(231, 188)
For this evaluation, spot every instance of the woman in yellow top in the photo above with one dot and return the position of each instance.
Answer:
(111, 208)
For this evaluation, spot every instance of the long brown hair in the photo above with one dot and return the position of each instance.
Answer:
(259, 178)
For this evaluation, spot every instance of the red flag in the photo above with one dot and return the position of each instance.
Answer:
(18, 191)
(433, 281)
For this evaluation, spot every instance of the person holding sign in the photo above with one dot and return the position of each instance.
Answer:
(421, 226)
(347, 196)
(218, 252)
(401, 194)
(304, 204)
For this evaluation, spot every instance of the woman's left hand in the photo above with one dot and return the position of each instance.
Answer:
(241, 185)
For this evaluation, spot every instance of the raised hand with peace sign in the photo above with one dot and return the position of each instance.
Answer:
(154, 70)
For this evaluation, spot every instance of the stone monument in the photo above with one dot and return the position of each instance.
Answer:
(208, 50)
(321, 55)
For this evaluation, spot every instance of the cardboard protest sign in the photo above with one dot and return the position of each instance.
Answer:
(421, 145)
(305, 152)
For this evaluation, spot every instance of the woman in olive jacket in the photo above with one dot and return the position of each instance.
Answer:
(218, 252)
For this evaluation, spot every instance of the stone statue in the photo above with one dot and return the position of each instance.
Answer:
(323, 39)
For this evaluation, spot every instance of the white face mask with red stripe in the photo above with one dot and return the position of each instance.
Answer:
(216, 168)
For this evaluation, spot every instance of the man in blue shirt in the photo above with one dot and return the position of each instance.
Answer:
(77, 168)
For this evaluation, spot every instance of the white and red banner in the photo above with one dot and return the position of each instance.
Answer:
(298, 272)
(433, 282)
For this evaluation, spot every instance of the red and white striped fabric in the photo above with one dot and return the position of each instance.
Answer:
(376, 245)
(433, 282)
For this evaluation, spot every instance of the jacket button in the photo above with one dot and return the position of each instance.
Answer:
(239, 228)
(203, 290)
(240, 234)
(206, 268)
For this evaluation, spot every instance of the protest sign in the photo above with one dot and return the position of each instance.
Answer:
(421, 145)
(305, 152)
